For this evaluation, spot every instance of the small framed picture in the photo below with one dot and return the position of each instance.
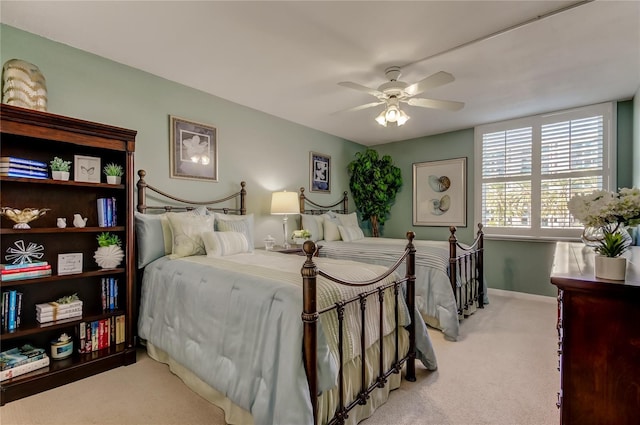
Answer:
(70, 263)
(86, 169)
(194, 150)
(320, 172)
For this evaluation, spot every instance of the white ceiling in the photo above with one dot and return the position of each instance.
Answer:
(286, 58)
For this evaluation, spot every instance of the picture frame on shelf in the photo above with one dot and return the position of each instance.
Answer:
(319, 172)
(70, 263)
(86, 169)
(193, 150)
(440, 193)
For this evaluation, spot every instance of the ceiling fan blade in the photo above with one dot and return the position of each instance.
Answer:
(358, 108)
(432, 81)
(449, 105)
(360, 87)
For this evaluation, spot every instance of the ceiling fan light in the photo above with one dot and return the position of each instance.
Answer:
(403, 118)
(380, 119)
(392, 113)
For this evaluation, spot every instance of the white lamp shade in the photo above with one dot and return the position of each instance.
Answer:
(285, 203)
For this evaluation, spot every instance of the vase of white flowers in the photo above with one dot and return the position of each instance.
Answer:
(605, 216)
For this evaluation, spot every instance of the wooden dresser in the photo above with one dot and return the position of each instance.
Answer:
(599, 339)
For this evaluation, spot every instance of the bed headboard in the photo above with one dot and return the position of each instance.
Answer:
(318, 209)
(186, 205)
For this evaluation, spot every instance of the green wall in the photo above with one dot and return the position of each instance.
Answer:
(272, 154)
(522, 266)
(269, 153)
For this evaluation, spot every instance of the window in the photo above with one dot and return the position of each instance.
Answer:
(527, 169)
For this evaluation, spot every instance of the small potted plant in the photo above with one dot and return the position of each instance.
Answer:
(608, 263)
(299, 236)
(60, 168)
(109, 254)
(113, 172)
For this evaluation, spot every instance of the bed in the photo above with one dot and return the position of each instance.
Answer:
(271, 338)
(450, 282)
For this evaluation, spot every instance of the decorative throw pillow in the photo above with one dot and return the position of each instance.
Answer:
(236, 223)
(186, 230)
(314, 224)
(150, 238)
(331, 232)
(350, 233)
(346, 219)
(219, 244)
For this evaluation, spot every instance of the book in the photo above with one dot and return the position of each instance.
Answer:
(94, 335)
(50, 317)
(114, 220)
(4, 166)
(109, 212)
(21, 175)
(18, 308)
(25, 269)
(20, 355)
(111, 293)
(25, 368)
(22, 265)
(50, 307)
(82, 337)
(25, 275)
(103, 293)
(5, 309)
(101, 204)
(11, 320)
(7, 171)
(16, 160)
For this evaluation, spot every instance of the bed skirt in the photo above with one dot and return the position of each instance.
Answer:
(236, 415)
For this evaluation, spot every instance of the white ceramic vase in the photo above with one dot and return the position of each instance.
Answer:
(612, 268)
(114, 179)
(109, 257)
(60, 175)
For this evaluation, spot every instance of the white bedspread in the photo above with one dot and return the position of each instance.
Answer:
(434, 297)
(235, 322)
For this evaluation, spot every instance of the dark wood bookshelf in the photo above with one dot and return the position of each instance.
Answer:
(40, 136)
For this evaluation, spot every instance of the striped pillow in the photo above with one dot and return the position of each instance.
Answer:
(236, 223)
(350, 233)
(219, 244)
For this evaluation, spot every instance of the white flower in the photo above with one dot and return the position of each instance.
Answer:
(601, 208)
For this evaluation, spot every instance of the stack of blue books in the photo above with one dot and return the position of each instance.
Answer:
(11, 166)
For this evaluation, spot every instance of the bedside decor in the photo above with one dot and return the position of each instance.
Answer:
(113, 172)
(60, 168)
(23, 85)
(299, 236)
(109, 254)
(23, 216)
(285, 203)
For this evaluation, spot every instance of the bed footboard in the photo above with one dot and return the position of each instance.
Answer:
(311, 316)
(466, 271)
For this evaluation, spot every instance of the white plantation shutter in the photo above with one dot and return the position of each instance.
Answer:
(527, 170)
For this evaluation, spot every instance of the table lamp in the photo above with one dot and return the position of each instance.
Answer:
(285, 203)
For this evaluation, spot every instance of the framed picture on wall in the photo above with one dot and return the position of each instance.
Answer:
(193, 150)
(440, 193)
(320, 172)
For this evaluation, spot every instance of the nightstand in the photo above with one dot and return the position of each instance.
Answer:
(294, 249)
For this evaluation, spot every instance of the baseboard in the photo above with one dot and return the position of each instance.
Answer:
(521, 295)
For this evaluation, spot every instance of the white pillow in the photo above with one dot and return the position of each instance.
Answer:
(186, 231)
(331, 232)
(350, 233)
(236, 223)
(314, 224)
(219, 244)
(346, 219)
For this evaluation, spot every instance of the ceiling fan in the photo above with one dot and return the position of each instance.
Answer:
(394, 92)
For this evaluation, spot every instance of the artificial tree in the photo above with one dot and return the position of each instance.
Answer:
(374, 182)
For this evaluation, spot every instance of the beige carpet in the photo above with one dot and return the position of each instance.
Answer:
(502, 371)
